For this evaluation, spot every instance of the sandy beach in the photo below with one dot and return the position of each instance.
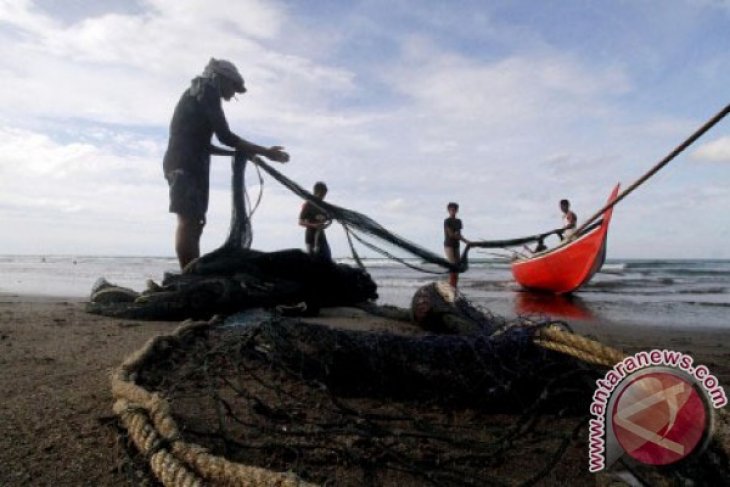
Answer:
(56, 423)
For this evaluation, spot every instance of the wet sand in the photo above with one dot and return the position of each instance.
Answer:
(56, 423)
(707, 346)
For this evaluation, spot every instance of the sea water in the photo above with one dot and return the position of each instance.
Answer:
(678, 293)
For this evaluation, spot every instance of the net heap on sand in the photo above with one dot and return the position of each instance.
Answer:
(259, 399)
(231, 393)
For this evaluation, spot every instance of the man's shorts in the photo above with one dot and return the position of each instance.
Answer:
(452, 254)
(188, 195)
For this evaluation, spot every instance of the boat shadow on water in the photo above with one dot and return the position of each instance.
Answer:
(558, 305)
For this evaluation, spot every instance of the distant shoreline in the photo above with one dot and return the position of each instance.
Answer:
(13, 297)
(682, 294)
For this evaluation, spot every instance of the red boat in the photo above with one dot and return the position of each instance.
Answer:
(571, 264)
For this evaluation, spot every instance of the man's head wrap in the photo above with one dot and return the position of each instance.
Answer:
(221, 67)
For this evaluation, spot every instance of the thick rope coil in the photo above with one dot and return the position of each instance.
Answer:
(220, 471)
(150, 425)
(577, 346)
(169, 470)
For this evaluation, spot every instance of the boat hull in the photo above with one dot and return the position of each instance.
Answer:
(569, 266)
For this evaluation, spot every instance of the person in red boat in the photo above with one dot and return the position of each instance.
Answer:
(570, 220)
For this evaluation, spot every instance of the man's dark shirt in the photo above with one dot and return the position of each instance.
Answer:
(312, 214)
(453, 224)
(194, 122)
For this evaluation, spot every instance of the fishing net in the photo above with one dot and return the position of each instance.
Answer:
(372, 235)
(361, 227)
(339, 407)
(260, 399)
(235, 276)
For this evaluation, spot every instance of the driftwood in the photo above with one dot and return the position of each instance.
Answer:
(440, 308)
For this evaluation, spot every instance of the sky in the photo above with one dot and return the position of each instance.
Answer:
(400, 106)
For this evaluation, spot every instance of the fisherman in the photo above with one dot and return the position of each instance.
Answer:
(198, 115)
(452, 239)
(315, 220)
(570, 221)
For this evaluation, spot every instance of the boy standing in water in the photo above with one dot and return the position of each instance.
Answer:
(452, 239)
(315, 221)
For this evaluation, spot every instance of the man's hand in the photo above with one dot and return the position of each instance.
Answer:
(276, 153)
(321, 225)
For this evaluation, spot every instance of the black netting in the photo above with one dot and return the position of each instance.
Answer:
(352, 408)
(361, 226)
(357, 226)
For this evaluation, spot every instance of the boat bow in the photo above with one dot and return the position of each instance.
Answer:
(571, 264)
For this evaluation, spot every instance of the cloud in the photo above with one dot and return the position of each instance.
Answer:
(506, 95)
(398, 111)
(716, 151)
(396, 204)
(84, 198)
(50, 182)
(130, 68)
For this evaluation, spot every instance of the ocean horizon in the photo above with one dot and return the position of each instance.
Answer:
(645, 292)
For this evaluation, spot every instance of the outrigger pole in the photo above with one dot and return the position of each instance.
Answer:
(692, 138)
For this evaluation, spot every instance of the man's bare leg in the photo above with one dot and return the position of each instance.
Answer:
(452, 257)
(453, 279)
(187, 239)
